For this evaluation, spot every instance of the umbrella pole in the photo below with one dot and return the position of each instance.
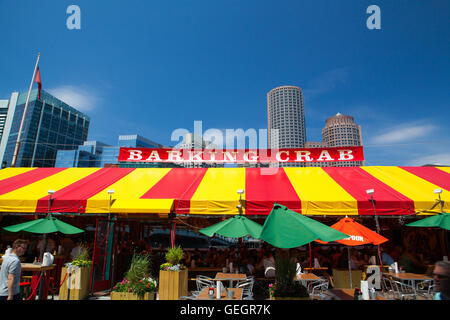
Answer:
(349, 267)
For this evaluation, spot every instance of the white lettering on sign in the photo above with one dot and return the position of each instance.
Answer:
(278, 156)
(345, 154)
(135, 155)
(303, 156)
(154, 156)
(325, 155)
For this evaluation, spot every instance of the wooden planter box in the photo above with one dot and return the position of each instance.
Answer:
(131, 296)
(173, 284)
(79, 283)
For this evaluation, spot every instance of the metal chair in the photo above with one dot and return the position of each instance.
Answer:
(247, 287)
(425, 289)
(319, 289)
(402, 290)
(203, 282)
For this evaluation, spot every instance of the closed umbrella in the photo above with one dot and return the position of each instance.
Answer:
(235, 227)
(358, 235)
(285, 228)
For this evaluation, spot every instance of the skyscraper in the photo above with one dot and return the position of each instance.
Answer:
(341, 130)
(286, 118)
(50, 125)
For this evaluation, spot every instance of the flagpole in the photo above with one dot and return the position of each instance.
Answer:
(19, 136)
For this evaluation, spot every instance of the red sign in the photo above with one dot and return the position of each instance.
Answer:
(305, 155)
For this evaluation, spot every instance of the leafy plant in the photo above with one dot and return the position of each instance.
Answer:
(285, 285)
(82, 259)
(138, 278)
(139, 268)
(174, 255)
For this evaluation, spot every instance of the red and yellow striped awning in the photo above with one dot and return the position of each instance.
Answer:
(212, 191)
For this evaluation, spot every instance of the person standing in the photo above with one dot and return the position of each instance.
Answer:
(11, 272)
(441, 277)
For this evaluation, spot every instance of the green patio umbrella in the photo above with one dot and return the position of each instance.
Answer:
(441, 220)
(48, 224)
(285, 228)
(235, 227)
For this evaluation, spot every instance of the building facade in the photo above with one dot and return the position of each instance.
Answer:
(341, 130)
(50, 125)
(286, 119)
(99, 154)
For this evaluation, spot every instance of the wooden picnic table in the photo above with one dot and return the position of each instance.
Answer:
(203, 295)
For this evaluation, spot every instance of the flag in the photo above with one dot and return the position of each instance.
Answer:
(37, 79)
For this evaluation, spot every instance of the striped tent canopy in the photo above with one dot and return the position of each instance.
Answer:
(213, 191)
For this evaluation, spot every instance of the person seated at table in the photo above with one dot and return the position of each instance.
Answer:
(410, 262)
(441, 278)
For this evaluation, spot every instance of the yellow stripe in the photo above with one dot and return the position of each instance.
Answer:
(217, 193)
(411, 186)
(320, 194)
(127, 192)
(25, 199)
(446, 169)
(11, 172)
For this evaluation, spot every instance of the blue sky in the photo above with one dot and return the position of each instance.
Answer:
(150, 67)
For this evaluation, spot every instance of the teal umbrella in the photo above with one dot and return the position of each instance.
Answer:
(285, 228)
(48, 224)
(235, 227)
(441, 221)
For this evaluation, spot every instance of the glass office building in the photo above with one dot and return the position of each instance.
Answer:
(98, 154)
(50, 125)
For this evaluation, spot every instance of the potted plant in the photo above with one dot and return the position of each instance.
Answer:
(173, 276)
(138, 283)
(285, 287)
(76, 277)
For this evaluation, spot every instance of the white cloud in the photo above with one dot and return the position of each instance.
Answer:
(405, 133)
(80, 98)
(435, 159)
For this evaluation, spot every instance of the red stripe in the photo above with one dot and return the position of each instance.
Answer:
(356, 181)
(431, 174)
(26, 178)
(263, 190)
(179, 184)
(73, 198)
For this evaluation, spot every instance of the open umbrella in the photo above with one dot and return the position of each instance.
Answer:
(285, 228)
(441, 220)
(235, 227)
(46, 225)
(358, 235)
